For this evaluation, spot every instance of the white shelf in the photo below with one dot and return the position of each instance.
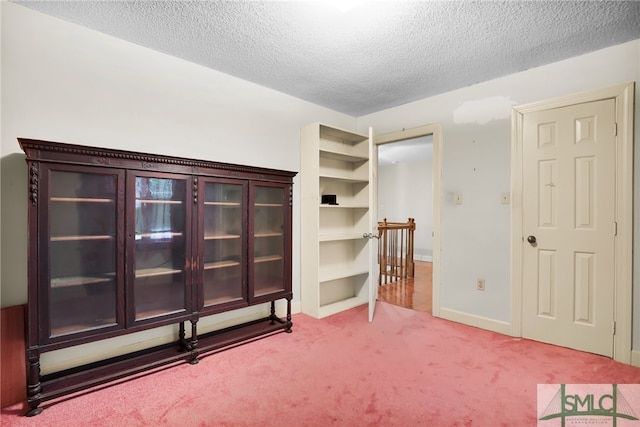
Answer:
(343, 156)
(346, 177)
(344, 144)
(342, 273)
(339, 237)
(337, 307)
(348, 194)
(344, 206)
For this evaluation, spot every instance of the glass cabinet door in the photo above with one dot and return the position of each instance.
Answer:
(82, 251)
(223, 245)
(270, 206)
(160, 221)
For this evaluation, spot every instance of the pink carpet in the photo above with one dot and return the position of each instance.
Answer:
(405, 369)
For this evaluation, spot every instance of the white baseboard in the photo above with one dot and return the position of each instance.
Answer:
(427, 258)
(499, 326)
(477, 321)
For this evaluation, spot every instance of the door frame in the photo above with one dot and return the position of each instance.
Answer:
(435, 130)
(623, 96)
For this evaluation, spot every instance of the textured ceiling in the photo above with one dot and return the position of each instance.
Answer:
(377, 55)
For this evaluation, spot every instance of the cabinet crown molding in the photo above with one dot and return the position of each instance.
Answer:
(111, 157)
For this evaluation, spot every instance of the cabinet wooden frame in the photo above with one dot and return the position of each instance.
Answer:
(179, 243)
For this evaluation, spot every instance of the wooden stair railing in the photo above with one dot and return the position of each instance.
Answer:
(395, 250)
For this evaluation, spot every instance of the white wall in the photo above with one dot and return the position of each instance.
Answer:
(65, 83)
(405, 190)
(476, 163)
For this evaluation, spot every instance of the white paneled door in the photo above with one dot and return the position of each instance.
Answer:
(569, 226)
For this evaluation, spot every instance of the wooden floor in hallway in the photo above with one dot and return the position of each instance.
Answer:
(414, 293)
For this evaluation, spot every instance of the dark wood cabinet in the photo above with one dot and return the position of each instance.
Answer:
(122, 241)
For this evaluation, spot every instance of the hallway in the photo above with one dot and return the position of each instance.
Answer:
(414, 293)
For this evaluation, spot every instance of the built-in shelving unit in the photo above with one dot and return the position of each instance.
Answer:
(335, 256)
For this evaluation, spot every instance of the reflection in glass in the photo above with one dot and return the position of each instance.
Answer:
(160, 246)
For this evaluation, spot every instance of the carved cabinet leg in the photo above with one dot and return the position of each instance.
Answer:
(289, 322)
(193, 343)
(34, 387)
(273, 313)
(181, 336)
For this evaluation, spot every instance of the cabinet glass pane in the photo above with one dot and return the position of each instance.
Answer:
(82, 251)
(160, 222)
(223, 243)
(268, 270)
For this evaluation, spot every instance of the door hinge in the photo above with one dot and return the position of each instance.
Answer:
(614, 328)
(615, 228)
(615, 129)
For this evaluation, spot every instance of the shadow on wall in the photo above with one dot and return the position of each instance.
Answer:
(13, 280)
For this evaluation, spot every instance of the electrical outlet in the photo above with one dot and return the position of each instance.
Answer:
(480, 285)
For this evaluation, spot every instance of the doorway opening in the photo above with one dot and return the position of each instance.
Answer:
(408, 189)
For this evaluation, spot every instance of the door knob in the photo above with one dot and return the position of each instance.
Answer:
(531, 239)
